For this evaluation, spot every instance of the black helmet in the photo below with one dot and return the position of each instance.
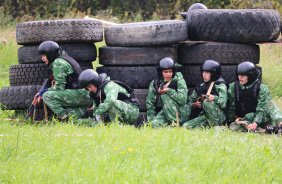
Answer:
(213, 67)
(197, 6)
(51, 49)
(164, 64)
(249, 69)
(87, 77)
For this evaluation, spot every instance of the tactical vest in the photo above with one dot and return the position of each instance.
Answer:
(246, 101)
(157, 83)
(72, 79)
(121, 96)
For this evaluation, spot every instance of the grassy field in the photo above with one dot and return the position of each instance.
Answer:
(66, 153)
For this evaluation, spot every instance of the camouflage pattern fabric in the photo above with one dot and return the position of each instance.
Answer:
(267, 111)
(125, 112)
(72, 102)
(213, 112)
(171, 101)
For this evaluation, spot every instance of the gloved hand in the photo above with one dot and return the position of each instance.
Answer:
(98, 117)
(42, 92)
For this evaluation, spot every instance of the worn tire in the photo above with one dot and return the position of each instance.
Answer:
(33, 74)
(81, 52)
(141, 94)
(61, 31)
(192, 74)
(17, 97)
(135, 77)
(113, 56)
(224, 53)
(245, 26)
(150, 33)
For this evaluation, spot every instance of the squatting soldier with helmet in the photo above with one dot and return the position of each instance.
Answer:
(250, 101)
(210, 106)
(112, 97)
(167, 94)
(65, 98)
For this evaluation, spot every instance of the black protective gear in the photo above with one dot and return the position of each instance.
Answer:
(164, 64)
(249, 69)
(51, 49)
(197, 6)
(213, 67)
(89, 76)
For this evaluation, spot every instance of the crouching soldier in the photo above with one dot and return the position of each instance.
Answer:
(65, 98)
(210, 106)
(167, 94)
(250, 101)
(112, 97)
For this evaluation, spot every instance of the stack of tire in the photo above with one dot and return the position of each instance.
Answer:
(133, 50)
(226, 36)
(75, 36)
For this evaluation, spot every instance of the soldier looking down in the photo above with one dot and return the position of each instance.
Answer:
(210, 106)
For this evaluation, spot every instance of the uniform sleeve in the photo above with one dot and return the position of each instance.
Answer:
(111, 93)
(221, 99)
(179, 96)
(231, 103)
(61, 69)
(150, 102)
(264, 97)
(192, 98)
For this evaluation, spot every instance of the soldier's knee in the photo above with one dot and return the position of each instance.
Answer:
(46, 96)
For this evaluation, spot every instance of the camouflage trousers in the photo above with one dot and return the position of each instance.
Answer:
(168, 113)
(271, 116)
(70, 102)
(212, 115)
(124, 112)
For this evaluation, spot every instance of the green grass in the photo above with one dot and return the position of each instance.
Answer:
(122, 154)
(65, 153)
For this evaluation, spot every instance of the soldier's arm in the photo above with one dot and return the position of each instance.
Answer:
(221, 99)
(111, 93)
(60, 69)
(264, 97)
(150, 102)
(179, 96)
(192, 98)
(231, 102)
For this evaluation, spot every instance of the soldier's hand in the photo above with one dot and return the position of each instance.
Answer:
(198, 103)
(210, 98)
(163, 91)
(52, 83)
(39, 98)
(253, 126)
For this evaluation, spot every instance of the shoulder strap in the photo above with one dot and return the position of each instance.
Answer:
(76, 67)
(236, 90)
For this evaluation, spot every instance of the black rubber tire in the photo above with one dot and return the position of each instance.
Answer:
(244, 26)
(150, 33)
(81, 52)
(192, 74)
(141, 94)
(112, 56)
(61, 31)
(17, 97)
(224, 53)
(33, 74)
(135, 77)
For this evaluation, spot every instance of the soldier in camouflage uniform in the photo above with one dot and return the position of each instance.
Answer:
(112, 97)
(211, 109)
(250, 100)
(163, 103)
(65, 98)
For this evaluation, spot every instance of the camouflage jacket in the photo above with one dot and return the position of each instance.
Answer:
(263, 99)
(179, 96)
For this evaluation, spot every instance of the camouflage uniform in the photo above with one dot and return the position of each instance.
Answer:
(213, 111)
(125, 112)
(65, 101)
(266, 113)
(171, 101)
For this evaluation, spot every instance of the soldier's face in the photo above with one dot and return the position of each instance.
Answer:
(167, 74)
(206, 76)
(92, 88)
(243, 79)
(44, 59)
